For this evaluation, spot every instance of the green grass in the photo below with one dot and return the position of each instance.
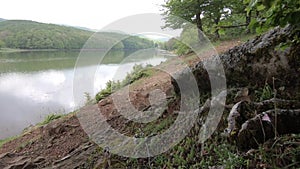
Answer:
(2, 142)
(157, 127)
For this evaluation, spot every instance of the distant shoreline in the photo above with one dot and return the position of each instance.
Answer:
(12, 50)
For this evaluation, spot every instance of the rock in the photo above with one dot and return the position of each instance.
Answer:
(77, 158)
(104, 102)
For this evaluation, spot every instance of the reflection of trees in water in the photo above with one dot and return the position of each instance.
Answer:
(32, 61)
(37, 60)
(45, 60)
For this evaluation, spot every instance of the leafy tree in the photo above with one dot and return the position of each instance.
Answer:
(170, 44)
(274, 13)
(208, 15)
(179, 12)
(214, 12)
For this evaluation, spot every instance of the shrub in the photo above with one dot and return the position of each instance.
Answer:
(111, 86)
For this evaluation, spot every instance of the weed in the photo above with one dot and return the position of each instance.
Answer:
(111, 86)
(160, 160)
(50, 118)
(88, 98)
(264, 93)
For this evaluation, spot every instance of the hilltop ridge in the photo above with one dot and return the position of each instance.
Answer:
(24, 34)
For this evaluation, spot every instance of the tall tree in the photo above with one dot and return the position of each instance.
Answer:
(179, 12)
(215, 11)
(202, 13)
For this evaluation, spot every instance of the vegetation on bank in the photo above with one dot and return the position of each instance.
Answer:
(21, 34)
(138, 72)
(225, 19)
(217, 152)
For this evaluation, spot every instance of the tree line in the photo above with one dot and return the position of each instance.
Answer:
(33, 35)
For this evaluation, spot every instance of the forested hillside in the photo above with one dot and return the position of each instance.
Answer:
(33, 35)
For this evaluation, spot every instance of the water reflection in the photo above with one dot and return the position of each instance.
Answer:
(45, 60)
(34, 84)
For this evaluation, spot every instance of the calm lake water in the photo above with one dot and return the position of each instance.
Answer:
(34, 84)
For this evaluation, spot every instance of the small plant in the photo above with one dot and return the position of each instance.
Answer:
(88, 98)
(265, 93)
(111, 86)
(160, 160)
(50, 118)
(138, 72)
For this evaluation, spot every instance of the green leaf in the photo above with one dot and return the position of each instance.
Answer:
(253, 3)
(260, 7)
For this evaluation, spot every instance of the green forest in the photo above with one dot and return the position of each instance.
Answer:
(21, 34)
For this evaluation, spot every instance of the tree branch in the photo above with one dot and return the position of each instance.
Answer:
(232, 26)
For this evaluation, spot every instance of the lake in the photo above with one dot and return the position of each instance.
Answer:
(37, 83)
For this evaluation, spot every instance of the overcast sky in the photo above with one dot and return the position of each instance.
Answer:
(94, 14)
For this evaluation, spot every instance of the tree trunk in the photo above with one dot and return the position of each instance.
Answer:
(217, 34)
(248, 20)
(199, 26)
